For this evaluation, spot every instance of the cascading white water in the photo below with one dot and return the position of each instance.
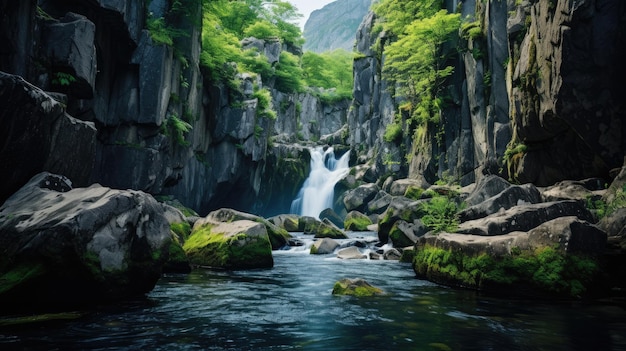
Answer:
(318, 189)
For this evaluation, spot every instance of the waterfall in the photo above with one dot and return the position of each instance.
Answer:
(318, 189)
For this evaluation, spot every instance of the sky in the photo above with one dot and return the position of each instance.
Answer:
(305, 7)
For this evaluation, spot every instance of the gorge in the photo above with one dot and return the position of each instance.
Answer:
(481, 143)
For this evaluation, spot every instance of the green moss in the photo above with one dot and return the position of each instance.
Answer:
(413, 192)
(546, 269)
(19, 275)
(398, 237)
(359, 223)
(358, 288)
(206, 248)
(182, 230)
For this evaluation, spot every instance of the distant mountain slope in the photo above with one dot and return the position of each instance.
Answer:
(334, 26)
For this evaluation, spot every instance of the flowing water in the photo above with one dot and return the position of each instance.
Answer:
(318, 189)
(290, 307)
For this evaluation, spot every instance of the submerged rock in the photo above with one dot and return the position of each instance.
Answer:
(351, 253)
(66, 247)
(356, 287)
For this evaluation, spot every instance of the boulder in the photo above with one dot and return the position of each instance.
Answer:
(400, 208)
(524, 218)
(399, 187)
(512, 196)
(487, 187)
(324, 246)
(573, 190)
(351, 253)
(277, 235)
(358, 198)
(67, 247)
(558, 257)
(614, 224)
(380, 203)
(326, 229)
(356, 287)
(356, 221)
(286, 221)
(392, 255)
(331, 216)
(404, 234)
(240, 244)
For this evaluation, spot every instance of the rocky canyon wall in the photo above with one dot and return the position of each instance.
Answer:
(102, 100)
(536, 96)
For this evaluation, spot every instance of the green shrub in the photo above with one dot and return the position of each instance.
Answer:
(393, 132)
(440, 214)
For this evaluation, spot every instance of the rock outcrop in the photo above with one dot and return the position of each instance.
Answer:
(65, 246)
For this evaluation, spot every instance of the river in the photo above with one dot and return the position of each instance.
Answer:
(290, 307)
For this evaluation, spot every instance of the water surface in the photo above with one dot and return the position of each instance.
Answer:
(290, 307)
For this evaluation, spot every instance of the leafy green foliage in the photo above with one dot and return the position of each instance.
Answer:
(440, 214)
(329, 70)
(177, 128)
(288, 73)
(417, 61)
(264, 99)
(393, 132)
(63, 79)
(261, 30)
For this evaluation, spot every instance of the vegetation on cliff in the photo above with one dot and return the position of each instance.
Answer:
(417, 61)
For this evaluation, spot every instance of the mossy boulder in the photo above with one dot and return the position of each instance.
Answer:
(240, 244)
(326, 229)
(277, 235)
(400, 208)
(356, 287)
(356, 221)
(558, 258)
(288, 222)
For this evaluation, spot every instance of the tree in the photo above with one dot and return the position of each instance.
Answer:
(416, 62)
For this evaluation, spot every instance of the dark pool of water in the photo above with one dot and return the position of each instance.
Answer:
(291, 307)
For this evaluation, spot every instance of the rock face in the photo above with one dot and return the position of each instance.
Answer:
(98, 59)
(553, 67)
(36, 125)
(333, 26)
(67, 247)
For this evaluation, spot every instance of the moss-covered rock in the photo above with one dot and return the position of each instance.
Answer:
(356, 221)
(356, 287)
(323, 246)
(240, 244)
(557, 258)
(328, 230)
(277, 235)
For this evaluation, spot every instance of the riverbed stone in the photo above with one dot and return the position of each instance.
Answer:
(332, 216)
(65, 246)
(400, 208)
(404, 234)
(324, 246)
(327, 229)
(356, 287)
(286, 221)
(356, 221)
(351, 253)
(240, 244)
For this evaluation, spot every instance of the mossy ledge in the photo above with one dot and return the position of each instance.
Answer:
(541, 272)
